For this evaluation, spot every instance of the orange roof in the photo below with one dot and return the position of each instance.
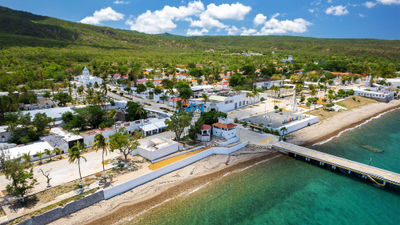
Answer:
(224, 125)
(206, 127)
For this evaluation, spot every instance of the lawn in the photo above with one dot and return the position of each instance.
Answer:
(348, 103)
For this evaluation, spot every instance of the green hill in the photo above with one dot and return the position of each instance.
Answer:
(34, 49)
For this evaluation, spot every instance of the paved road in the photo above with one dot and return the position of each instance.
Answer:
(62, 171)
(127, 97)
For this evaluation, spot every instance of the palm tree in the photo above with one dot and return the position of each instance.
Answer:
(140, 111)
(112, 114)
(48, 152)
(100, 143)
(249, 95)
(255, 94)
(104, 87)
(205, 98)
(164, 98)
(40, 156)
(27, 157)
(75, 155)
(275, 89)
(57, 151)
(284, 130)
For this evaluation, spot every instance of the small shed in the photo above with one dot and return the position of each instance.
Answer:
(205, 133)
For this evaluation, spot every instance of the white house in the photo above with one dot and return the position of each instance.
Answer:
(224, 129)
(86, 79)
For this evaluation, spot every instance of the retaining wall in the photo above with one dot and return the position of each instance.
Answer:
(68, 209)
(121, 188)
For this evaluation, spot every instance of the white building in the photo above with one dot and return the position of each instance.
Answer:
(205, 133)
(224, 129)
(86, 79)
(157, 148)
(228, 101)
(374, 93)
(4, 134)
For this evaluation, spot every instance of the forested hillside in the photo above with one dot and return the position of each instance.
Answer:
(38, 51)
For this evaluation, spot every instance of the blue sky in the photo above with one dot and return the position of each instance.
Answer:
(315, 18)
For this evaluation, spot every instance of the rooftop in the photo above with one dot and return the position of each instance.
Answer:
(274, 119)
(225, 125)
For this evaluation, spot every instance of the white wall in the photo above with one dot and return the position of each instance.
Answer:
(124, 187)
(152, 155)
(224, 133)
(299, 124)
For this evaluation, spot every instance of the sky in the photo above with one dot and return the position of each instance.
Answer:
(311, 18)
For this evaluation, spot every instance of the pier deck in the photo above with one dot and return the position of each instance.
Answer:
(381, 174)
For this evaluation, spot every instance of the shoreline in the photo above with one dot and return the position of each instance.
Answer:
(343, 122)
(153, 194)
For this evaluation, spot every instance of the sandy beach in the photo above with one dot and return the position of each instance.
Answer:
(125, 207)
(139, 200)
(340, 122)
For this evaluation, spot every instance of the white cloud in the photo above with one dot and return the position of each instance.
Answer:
(311, 10)
(338, 10)
(369, 4)
(361, 15)
(248, 32)
(259, 19)
(233, 30)
(120, 2)
(196, 32)
(389, 2)
(329, 1)
(201, 18)
(235, 11)
(275, 26)
(209, 18)
(162, 20)
(106, 14)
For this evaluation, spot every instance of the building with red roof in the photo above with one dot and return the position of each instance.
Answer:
(224, 129)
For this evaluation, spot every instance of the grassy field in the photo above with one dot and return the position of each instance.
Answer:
(348, 103)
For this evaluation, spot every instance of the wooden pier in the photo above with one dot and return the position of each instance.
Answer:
(378, 176)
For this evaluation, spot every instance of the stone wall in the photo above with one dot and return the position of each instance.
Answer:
(68, 209)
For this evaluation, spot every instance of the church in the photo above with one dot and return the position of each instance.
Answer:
(86, 79)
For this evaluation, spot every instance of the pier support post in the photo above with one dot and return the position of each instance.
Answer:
(333, 167)
(348, 171)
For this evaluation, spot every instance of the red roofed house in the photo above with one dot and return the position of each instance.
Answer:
(224, 129)
(205, 133)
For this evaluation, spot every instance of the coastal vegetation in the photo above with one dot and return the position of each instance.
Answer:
(44, 52)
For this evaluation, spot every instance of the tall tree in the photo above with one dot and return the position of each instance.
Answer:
(100, 143)
(75, 155)
(124, 142)
(178, 122)
(21, 176)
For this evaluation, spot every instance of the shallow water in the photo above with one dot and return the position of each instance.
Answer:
(288, 191)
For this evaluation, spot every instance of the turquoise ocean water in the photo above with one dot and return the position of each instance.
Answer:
(288, 191)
